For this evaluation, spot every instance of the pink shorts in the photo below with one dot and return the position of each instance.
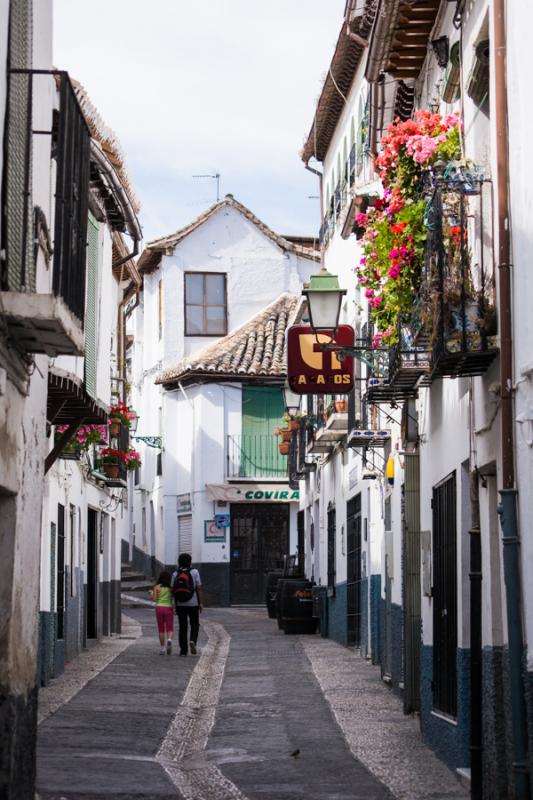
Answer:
(165, 618)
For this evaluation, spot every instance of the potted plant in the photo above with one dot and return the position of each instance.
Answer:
(286, 434)
(120, 414)
(292, 422)
(85, 436)
(283, 448)
(111, 459)
(131, 459)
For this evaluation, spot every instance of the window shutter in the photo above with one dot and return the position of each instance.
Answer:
(18, 234)
(91, 321)
(185, 533)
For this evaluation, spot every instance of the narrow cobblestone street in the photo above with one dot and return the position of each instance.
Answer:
(256, 715)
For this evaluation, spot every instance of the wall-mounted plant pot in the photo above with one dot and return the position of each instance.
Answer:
(283, 448)
(341, 406)
(294, 424)
(286, 434)
(112, 471)
(114, 428)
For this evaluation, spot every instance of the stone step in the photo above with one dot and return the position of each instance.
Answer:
(133, 577)
(143, 585)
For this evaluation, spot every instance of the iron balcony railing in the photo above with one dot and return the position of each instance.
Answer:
(254, 456)
(456, 296)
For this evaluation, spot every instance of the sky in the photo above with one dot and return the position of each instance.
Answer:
(196, 88)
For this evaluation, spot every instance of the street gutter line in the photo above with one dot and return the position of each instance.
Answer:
(182, 752)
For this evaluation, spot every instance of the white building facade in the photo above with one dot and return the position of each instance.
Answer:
(207, 369)
(451, 632)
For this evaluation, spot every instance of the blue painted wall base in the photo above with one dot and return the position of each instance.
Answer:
(450, 739)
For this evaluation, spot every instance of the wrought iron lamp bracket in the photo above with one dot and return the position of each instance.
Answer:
(151, 441)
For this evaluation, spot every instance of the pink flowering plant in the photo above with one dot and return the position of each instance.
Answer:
(394, 231)
(87, 435)
(131, 459)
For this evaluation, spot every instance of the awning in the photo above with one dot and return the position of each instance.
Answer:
(252, 492)
(69, 402)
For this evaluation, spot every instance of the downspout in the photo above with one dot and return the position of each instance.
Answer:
(476, 646)
(321, 193)
(508, 494)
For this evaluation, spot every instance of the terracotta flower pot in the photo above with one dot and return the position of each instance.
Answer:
(114, 428)
(283, 448)
(286, 434)
(294, 424)
(112, 470)
(341, 406)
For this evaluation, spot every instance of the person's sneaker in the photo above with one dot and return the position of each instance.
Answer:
(193, 648)
(162, 650)
(183, 654)
(169, 647)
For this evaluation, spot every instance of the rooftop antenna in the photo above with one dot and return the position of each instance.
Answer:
(216, 177)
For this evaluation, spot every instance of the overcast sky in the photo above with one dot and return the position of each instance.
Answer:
(193, 87)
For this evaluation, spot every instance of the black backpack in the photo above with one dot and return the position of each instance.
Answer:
(183, 585)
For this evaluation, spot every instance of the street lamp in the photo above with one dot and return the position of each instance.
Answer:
(324, 298)
(291, 400)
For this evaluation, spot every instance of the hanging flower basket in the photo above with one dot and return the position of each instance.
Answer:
(112, 470)
(286, 434)
(114, 428)
(283, 448)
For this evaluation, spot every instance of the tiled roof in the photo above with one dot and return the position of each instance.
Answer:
(255, 350)
(337, 84)
(151, 256)
(107, 139)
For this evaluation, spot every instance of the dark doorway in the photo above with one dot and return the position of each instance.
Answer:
(353, 559)
(60, 573)
(259, 541)
(445, 596)
(92, 574)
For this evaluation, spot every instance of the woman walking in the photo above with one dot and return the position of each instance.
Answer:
(161, 593)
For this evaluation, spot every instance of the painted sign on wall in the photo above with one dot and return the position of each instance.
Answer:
(311, 370)
(212, 533)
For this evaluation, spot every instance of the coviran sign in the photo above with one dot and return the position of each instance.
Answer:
(252, 493)
(314, 370)
(268, 495)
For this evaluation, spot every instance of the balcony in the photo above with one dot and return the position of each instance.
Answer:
(41, 322)
(250, 457)
(396, 373)
(457, 294)
(328, 435)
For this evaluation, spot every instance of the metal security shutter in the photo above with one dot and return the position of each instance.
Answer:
(20, 275)
(444, 506)
(185, 533)
(91, 316)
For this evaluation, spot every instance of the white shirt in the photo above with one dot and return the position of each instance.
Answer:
(195, 575)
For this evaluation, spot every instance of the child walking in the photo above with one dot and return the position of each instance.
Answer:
(164, 612)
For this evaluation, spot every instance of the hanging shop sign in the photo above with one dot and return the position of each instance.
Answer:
(310, 369)
(252, 492)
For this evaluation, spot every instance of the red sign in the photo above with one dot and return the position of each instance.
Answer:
(312, 368)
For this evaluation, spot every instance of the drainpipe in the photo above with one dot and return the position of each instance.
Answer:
(508, 494)
(321, 192)
(476, 691)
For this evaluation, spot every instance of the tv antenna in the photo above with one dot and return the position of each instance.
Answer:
(216, 177)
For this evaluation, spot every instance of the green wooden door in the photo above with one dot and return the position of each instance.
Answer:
(262, 411)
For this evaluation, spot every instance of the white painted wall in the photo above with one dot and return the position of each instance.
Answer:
(196, 421)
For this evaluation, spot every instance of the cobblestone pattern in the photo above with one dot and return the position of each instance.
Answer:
(182, 751)
(378, 733)
(82, 669)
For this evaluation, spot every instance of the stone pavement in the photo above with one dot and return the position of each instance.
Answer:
(257, 716)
